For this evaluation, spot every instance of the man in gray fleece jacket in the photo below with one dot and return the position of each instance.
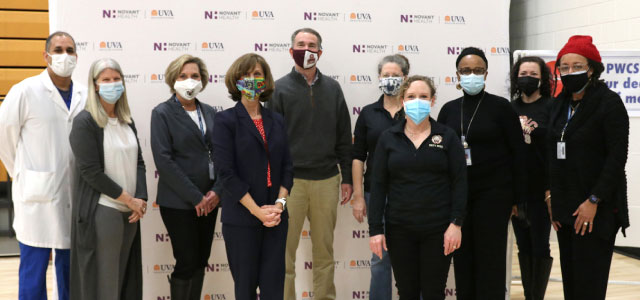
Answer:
(319, 133)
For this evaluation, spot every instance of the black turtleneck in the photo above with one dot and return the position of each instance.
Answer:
(495, 139)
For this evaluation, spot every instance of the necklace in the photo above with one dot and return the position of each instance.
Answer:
(463, 136)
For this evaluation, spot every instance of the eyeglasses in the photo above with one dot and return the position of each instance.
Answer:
(575, 68)
(468, 71)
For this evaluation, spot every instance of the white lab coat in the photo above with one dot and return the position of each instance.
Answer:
(34, 133)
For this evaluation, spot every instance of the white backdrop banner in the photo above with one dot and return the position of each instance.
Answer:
(144, 36)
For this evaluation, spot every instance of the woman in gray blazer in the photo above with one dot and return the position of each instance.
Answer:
(110, 192)
(181, 134)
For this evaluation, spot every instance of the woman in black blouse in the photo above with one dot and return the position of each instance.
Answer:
(418, 195)
(588, 145)
(372, 121)
(491, 134)
(531, 91)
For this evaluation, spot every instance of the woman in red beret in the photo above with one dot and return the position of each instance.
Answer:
(588, 144)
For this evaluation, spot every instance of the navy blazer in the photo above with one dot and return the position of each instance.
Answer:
(181, 154)
(241, 159)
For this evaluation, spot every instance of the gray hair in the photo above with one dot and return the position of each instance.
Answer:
(93, 106)
(398, 59)
(307, 30)
(58, 33)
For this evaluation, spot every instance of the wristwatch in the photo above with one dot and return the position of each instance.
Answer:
(283, 201)
(593, 199)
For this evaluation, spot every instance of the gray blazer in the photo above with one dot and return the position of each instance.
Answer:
(89, 182)
(181, 155)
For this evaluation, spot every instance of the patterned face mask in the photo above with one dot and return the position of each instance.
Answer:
(250, 87)
(390, 85)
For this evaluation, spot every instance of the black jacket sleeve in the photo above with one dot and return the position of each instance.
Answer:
(141, 180)
(86, 149)
(458, 178)
(512, 131)
(167, 167)
(343, 139)
(379, 187)
(224, 158)
(360, 138)
(616, 141)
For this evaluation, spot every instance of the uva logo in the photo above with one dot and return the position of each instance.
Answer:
(212, 46)
(454, 20)
(157, 77)
(162, 13)
(105, 45)
(162, 237)
(359, 294)
(361, 17)
(500, 50)
(358, 264)
(307, 295)
(166, 268)
(308, 265)
(408, 48)
(262, 15)
(155, 204)
(215, 297)
(360, 234)
(451, 80)
(306, 234)
(363, 79)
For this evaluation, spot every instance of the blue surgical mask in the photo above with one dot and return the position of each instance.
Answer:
(417, 110)
(111, 92)
(390, 85)
(472, 83)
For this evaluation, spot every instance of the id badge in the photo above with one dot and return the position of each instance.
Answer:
(467, 155)
(212, 173)
(562, 150)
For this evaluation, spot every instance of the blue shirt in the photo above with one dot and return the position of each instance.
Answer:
(66, 95)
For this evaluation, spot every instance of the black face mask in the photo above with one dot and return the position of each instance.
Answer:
(573, 82)
(528, 85)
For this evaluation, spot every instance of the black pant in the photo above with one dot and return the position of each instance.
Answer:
(191, 237)
(585, 262)
(256, 259)
(418, 262)
(532, 234)
(480, 263)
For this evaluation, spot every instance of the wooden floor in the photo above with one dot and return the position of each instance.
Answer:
(623, 270)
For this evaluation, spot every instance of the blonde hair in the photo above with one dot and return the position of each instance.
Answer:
(405, 85)
(174, 68)
(93, 106)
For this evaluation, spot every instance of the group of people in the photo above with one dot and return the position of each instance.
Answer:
(431, 190)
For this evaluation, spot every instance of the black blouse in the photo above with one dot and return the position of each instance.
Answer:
(425, 188)
(372, 121)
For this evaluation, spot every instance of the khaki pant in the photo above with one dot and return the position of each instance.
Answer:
(318, 201)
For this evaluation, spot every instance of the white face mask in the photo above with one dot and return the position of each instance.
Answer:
(62, 64)
(188, 89)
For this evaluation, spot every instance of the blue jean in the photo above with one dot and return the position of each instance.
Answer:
(33, 272)
(380, 286)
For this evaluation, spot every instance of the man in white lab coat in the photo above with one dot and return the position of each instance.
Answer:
(35, 121)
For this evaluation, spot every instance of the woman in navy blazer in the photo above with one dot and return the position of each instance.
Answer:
(181, 129)
(251, 154)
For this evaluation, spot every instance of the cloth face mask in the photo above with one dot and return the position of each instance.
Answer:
(390, 85)
(528, 85)
(305, 58)
(188, 89)
(251, 88)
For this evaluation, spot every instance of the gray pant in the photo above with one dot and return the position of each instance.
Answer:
(114, 236)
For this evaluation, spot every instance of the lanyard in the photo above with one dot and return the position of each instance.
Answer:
(199, 116)
(570, 113)
(463, 136)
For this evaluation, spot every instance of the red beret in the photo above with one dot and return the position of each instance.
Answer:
(580, 44)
